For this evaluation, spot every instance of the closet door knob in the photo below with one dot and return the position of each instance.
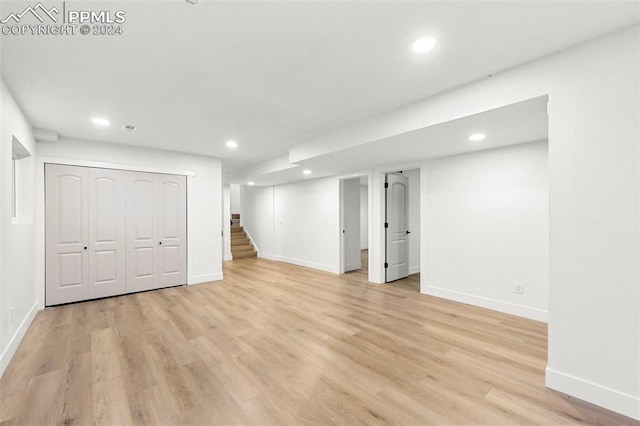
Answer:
(85, 248)
(160, 243)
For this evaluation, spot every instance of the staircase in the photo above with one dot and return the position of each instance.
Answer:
(241, 247)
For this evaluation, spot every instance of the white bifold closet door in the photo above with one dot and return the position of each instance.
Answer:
(85, 233)
(110, 232)
(156, 231)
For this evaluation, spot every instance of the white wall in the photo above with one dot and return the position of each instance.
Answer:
(350, 211)
(487, 225)
(413, 202)
(236, 202)
(204, 196)
(297, 223)
(364, 217)
(17, 237)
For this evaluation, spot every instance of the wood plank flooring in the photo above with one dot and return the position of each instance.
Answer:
(276, 344)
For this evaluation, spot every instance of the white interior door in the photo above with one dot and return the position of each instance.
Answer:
(107, 212)
(172, 226)
(142, 244)
(396, 223)
(66, 229)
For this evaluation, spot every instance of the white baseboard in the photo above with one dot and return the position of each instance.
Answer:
(199, 279)
(485, 302)
(227, 257)
(17, 337)
(300, 262)
(414, 270)
(611, 399)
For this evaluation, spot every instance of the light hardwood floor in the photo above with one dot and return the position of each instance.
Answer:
(284, 345)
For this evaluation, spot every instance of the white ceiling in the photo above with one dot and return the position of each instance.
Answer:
(273, 74)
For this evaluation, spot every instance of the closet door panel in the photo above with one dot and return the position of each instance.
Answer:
(142, 242)
(172, 214)
(66, 230)
(107, 212)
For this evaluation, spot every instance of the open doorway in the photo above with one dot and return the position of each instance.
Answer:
(354, 225)
(364, 225)
(241, 245)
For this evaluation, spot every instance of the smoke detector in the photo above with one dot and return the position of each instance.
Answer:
(128, 128)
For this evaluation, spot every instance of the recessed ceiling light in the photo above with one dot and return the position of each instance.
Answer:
(306, 172)
(477, 137)
(251, 183)
(423, 44)
(100, 121)
(232, 144)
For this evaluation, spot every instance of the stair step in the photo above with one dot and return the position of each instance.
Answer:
(242, 249)
(237, 229)
(241, 244)
(235, 216)
(240, 241)
(244, 255)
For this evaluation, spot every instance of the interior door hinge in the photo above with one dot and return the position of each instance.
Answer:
(386, 265)
(386, 184)
(386, 224)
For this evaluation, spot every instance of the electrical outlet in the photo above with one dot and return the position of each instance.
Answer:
(13, 313)
(519, 288)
